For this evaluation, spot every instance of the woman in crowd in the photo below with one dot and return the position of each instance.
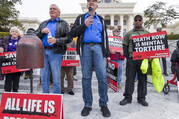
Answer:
(9, 44)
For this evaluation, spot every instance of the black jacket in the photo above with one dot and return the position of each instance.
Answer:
(78, 30)
(62, 35)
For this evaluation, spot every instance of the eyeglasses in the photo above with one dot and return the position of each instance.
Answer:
(138, 20)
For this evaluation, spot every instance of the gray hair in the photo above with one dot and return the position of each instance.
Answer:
(56, 6)
(14, 29)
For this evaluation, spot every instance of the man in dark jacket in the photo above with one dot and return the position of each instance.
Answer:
(133, 66)
(54, 35)
(92, 46)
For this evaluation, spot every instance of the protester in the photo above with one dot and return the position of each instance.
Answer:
(175, 61)
(92, 46)
(133, 66)
(68, 71)
(118, 57)
(54, 35)
(1, 59)
(9, 44)
(29, 74)
(164, 61)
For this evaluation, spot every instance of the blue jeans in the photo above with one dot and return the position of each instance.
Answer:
(53, 61)
(92, 59)
(120, 68)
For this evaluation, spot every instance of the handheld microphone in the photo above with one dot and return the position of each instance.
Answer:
(90, 9)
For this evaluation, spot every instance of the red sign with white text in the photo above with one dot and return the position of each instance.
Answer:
(115, 43)
(31, 106)
(112, 74)
(70, 58)
(9, 65)
(152, 45)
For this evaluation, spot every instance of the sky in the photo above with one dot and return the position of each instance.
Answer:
(40, 8)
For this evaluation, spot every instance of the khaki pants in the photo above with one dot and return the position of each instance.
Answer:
(69, 73)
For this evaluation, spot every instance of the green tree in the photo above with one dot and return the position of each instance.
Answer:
(159, 14)
(9, 15)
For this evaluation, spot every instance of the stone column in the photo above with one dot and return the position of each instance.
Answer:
(130, 25)
(121, 21)
(112, 20)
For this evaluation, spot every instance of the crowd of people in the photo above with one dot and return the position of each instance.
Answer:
(93, 48)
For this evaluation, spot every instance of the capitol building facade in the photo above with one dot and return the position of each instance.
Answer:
(115, 12)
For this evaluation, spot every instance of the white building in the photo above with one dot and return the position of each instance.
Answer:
(115, 12)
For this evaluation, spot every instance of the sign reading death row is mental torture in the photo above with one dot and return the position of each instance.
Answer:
(31, 106)
(9, 63)
(112, 74)
(152, 45)
(70, 58)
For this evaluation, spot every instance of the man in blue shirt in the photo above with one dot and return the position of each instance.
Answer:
(54, 35)
(92, 46)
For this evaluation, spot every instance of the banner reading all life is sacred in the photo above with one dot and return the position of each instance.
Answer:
(31, 106)
(152, 45)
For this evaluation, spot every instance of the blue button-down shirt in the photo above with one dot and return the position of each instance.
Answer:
(93, 33)
(52, 24)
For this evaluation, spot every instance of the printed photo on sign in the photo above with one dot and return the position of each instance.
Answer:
(152, 45)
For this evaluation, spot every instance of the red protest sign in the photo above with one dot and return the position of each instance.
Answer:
(115, 43)
(152, 45)
(70, 58)
(9, 65)
(31, 106)
(112, 74)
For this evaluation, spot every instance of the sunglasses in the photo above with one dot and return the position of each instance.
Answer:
(138, 20)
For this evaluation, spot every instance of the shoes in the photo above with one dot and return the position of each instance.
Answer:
(105, 111)
(86, 111)
(166, 74)
(143, 103)
(124, 101)
(71, 93)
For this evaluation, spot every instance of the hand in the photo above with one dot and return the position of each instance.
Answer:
(89, 21)
(108, 58)
(45, 30)
(52, 40)
(1, 50)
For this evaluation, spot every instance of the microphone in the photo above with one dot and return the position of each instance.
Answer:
(90, 10)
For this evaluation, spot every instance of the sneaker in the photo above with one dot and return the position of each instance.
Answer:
(124, 101)
(86, 111)
(105, 111)
(71, 93)
(143, 103)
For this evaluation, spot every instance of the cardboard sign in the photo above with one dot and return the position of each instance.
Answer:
(9, 65)
(112, 74)
(152, 45)
(70, 58)
(115, 43)
(31, 106)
